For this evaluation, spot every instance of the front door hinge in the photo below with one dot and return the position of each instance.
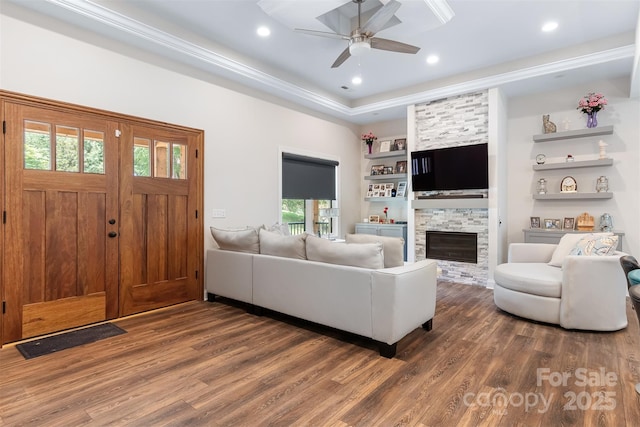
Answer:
(196, 274)
(196, 213)
(4, 307)
(4, 217)
(4, 126)
(196, 154)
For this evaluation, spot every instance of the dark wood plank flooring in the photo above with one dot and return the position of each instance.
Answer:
(213, 364)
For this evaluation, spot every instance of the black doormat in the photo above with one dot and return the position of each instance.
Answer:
(48, 345)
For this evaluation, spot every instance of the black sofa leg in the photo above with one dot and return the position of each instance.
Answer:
(428, 325)
(387, 350)
(211, 297)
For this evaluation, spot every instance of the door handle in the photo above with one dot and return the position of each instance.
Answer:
(113, 234)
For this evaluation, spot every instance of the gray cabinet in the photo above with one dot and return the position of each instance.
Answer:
(533, 235)
(389, 230)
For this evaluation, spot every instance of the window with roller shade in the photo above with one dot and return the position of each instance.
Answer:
(308, 186)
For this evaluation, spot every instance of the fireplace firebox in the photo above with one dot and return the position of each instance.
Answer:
(452, 246)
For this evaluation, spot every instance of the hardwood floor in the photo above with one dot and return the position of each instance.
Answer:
(213, 364)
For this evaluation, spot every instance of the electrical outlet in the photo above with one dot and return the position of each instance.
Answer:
(219, 213)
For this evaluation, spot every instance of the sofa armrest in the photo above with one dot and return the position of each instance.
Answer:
(403, 298)
(230, 274)
(594, 290)
(531, 252)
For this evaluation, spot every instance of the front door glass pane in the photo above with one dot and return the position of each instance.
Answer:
(93, 152)
(179, 164)
(67, 153)
(162, 159)
(141, 157)
(37, 145)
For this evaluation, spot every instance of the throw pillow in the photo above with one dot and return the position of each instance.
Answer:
(566, 245)
(365, 255)
(596, 245)
(274, 243)
(245, 240)
(282, 229)
(393, 247)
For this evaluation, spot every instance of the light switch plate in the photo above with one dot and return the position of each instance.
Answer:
(219, 213)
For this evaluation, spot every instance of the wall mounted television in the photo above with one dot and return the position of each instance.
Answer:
(453, 168)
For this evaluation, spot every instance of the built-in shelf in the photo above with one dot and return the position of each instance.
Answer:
(463, 203)
(386, 176)
(384, 199)
(571, 134)
(573, 196)
(397, 153)
(575, 164)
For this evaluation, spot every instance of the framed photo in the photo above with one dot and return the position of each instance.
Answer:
(552, 224)
(401, 166)
(568, 223)
(377, 170)
(374, 218)
(400, 144)
(388, 170)
(385, 146)
(402, 189)
(370, 190)
(534, 222)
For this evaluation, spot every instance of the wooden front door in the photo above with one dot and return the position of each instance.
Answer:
(160, 237)
(60, 240)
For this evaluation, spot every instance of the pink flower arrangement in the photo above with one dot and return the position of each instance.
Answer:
(592, 102)
(368, 138)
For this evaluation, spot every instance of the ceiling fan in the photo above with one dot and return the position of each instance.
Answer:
(361, 39)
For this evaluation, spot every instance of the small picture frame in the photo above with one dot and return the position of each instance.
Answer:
(374, 218)
(388, 170)
(370, 190)
(377, 170)
(552, 224)
(568, 223)
(402, 189)
(401, 166)
(385, 146)
(534, 222)
(400, 144)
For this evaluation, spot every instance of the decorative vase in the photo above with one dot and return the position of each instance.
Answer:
(592, 119)
(369, 146)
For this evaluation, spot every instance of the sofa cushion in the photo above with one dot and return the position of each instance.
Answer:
(282, 229)
(392, 247)
(566, 245)
(597, 245)
(530, 277)
(244, 240)
(365, 255)
(276, 244)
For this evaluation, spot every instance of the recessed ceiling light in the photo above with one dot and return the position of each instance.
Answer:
(549, 26)
(433, 59)
(263, 31)
(356, 80)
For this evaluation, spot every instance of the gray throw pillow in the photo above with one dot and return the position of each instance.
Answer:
(365, 255)
(393, 247)
(245, 240)
(274, 243)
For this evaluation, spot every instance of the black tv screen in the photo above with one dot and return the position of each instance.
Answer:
(453, 168)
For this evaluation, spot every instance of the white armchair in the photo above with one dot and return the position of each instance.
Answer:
(587, 292)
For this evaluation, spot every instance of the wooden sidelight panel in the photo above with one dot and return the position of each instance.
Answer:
(161, 231)
(61, 265)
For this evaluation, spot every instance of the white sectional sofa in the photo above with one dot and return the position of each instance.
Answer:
(384, 304)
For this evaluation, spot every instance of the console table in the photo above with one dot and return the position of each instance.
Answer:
(535, 235)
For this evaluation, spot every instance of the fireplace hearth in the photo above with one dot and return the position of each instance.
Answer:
(452, 246)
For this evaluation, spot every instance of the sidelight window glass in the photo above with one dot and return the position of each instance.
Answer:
(179, 161)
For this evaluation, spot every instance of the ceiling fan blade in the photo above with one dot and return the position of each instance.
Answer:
(343, 57)
(322, 34)
(384, 44)
(380, 18)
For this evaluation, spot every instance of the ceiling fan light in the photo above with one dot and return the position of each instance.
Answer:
(359, 48)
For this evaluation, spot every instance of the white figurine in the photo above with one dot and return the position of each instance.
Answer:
(603, 152)
(566, 123)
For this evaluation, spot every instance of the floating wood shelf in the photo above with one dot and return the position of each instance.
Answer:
(575, 164)
(573, 196)
(572, 134)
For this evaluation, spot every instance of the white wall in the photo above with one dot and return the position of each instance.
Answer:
(243, 134)
(525, 120)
